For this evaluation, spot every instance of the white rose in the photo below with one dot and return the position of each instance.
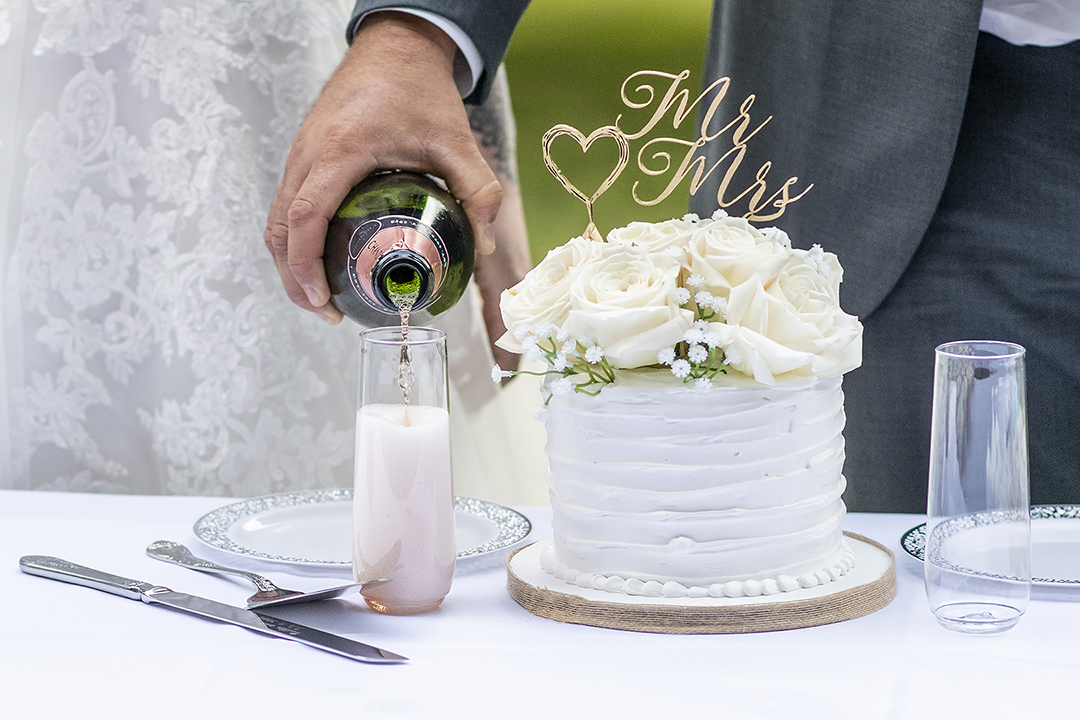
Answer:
(726, 252)
(544, 293)
(622, 299)
(668, 237)
(793, 324)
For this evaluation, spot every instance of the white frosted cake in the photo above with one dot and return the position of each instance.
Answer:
(694, 408)
(661, 490)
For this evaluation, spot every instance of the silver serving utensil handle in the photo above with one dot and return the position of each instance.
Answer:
(268, 593)
(57, 569)
(177, 554)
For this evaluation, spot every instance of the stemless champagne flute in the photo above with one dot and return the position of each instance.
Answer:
(403, 504)
(978, 548)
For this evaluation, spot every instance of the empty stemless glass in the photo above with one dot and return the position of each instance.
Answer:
(978, 557)
(403, 502)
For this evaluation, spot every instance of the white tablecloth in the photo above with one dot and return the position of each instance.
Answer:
(72, 652)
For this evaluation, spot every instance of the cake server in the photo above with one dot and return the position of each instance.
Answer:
(268, 593)
(57, 569)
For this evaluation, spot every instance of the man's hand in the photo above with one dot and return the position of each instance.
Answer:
(391, 103)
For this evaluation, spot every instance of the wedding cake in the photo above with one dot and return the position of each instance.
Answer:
(693, 407)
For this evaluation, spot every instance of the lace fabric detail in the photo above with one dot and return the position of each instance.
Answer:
(5, 22)
(148, 345)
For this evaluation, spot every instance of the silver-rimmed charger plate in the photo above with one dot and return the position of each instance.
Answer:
(1055, 545)
(312, 530)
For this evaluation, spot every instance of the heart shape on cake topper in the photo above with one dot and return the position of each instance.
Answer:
(610, 131)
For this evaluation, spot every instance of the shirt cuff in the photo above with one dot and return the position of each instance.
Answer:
(468, 65)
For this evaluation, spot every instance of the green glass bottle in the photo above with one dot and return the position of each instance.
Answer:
(398, 239)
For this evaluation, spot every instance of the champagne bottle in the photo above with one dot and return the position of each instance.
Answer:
(399, 240)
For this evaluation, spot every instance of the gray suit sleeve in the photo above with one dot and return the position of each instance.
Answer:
(488, 23)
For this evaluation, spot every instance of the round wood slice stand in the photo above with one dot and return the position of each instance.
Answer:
(868, 587)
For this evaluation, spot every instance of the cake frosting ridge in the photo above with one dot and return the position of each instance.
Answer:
(694, 408)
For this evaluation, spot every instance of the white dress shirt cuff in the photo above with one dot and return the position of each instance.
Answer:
(1023, 22)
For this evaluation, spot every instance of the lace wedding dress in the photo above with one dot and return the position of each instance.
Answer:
(148, 346)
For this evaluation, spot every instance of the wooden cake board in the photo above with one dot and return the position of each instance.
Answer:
(866, 588)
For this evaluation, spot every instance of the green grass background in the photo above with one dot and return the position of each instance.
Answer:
(566, 64)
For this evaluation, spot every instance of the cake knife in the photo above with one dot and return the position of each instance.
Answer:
(57, 569)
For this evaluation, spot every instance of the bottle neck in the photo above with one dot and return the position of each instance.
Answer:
(403, 278)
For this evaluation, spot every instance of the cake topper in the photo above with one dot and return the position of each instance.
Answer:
(656, 161)
(611, 131)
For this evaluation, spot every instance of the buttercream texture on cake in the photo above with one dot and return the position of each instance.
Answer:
(659, 489)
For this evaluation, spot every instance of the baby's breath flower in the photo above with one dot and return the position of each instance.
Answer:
(666, 356)
(777, 235)
(498, 374)
(521, 331)
(712, 338)
(703, 298)
(816, 259)
(562, 386)
(695, 280)
(674, 251)
(690, 217)
(718, 305)
(530, 348)
(693, 335)
(562, 335)
(543, 329)
(701, 325)
(719, 214)
(560, 363)
(697, 354)
(702, 384)
(540, 413)
(735, 355)
(681, 295)
(569, 349)
(594, 355)
(680, 368)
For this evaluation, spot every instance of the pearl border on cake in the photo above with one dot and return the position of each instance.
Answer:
(673, 589)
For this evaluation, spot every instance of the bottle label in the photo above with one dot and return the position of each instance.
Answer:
(376, 237)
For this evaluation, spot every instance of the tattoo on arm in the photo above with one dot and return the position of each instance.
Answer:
(493, 125)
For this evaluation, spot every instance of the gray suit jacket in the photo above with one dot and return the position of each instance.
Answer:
(488, 24)
(866, 101)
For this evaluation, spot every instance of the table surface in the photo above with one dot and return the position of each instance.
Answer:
(66, 649)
